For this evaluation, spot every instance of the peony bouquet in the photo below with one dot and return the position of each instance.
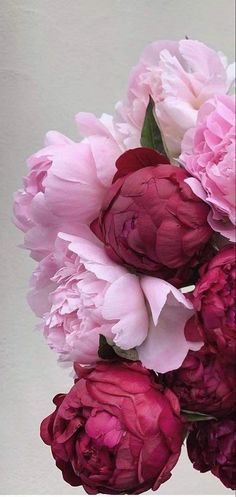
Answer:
(133, 231)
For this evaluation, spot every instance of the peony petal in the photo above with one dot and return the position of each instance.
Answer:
(103, 142)
(197, 188)
(231, 70)
(224, 227)
(56, 138)
(202, 59)
(72, 190)
(165, 346)
(124, 301)
(94, 257)
(135, 159)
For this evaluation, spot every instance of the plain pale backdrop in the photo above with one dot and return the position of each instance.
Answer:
(59, 57)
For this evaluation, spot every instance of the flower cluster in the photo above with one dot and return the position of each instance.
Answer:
(133, 231)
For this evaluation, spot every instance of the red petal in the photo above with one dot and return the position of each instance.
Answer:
(136, 159)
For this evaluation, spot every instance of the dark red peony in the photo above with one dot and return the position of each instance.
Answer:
(214, 299)
(203, 383)
(116, 431)
(212, 447)
(151, 221)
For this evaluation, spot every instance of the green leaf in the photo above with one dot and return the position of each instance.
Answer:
(193, 416)
(130, 354)
(151, 135)
(105, 351)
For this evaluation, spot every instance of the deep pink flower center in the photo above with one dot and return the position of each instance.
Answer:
(92, 461)
(95, 445)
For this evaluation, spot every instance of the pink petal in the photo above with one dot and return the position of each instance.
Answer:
(103, 142)
(225, 227)
(165, 346)
(56, 138)
(197, 188)
(124, 301)
(72, 188)
(93, 256)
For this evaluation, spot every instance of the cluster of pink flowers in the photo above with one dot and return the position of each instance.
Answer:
(133, 231)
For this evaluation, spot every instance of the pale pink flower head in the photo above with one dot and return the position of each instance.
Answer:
(66, 184)
(180, 77)
(33, 184)
(208, 154)
(90, 299)
(30, 211)
(81, 293)
(74, 321)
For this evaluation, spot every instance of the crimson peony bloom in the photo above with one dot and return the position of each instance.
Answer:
(151, 221)
(212, 447)
(203, 383)
(214, 299)
(116, 431)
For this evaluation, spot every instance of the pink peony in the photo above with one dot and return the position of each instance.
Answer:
(117, 431)
(89, 300)
(30, 210)
(81, 293)
(180, 77)
(208, 154)
(66, 184)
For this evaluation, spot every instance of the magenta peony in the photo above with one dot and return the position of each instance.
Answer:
(151, 221)
(203, 383)
(212, 447)
(116, 431)
(180, 77)
(208, 153)
(214, 299)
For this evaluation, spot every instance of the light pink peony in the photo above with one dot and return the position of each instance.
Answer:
(180, 77)
(87, 296)
(208, 154)
(66, 184)
(30, 210)
(91, 299)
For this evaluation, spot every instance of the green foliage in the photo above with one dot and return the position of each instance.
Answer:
(196, 416)
(151, 135)
(105, 351)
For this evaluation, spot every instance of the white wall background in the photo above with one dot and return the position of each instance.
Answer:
(59, 57)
